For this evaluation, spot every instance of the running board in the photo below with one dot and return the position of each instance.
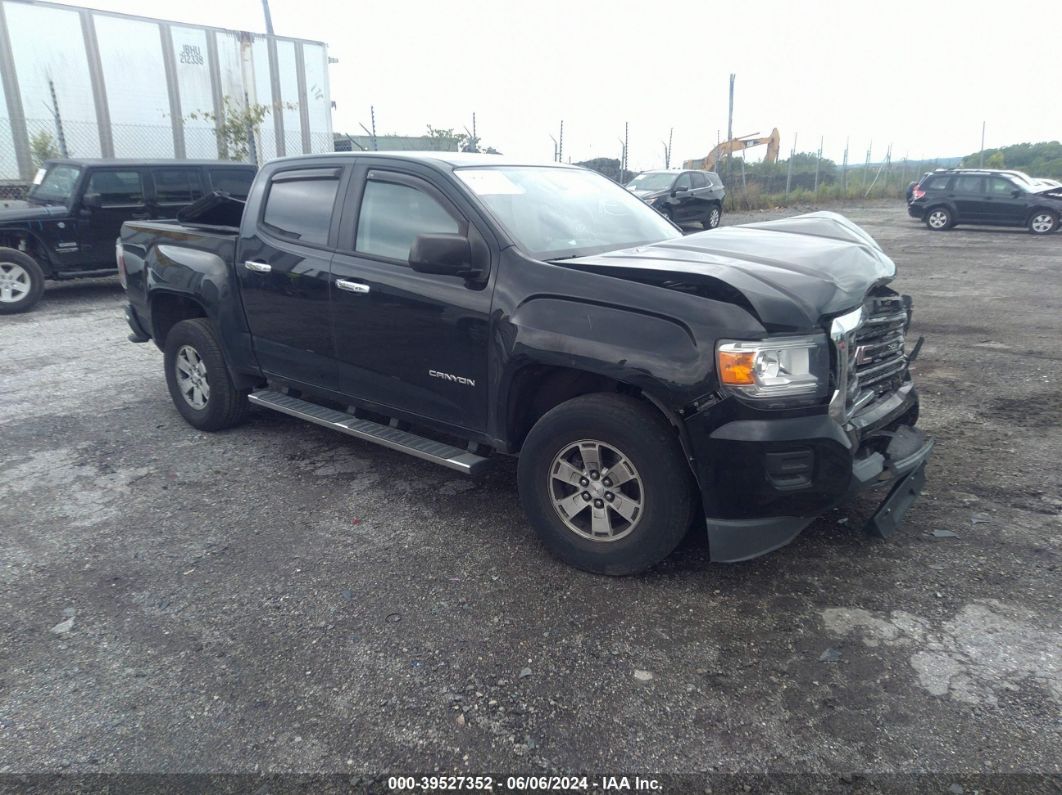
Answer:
(403, 441)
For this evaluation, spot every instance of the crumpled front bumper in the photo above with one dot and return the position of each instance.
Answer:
(763, 481)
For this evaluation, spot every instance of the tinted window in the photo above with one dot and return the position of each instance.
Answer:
(683, 181)
(392, 215)
(301, 209)
(937, 183)
(233, 181)
(116, 187)
(998, 186)
(177, 185)
(969, 184)
(698, 180)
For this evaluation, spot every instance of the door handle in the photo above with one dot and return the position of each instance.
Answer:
(258, 267)
(352, 287)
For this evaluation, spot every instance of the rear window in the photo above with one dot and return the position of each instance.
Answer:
(301, 209)
(234, 181)
(177, 185)
(936, 183)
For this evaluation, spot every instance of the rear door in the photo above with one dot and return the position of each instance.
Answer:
(175, 187)
(968, 194)
(112, 196)
(283, 270)
(413, 341)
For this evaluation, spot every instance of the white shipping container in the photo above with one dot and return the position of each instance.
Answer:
(86, 83)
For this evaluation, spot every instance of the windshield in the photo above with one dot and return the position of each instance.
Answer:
(56, 185)
(652, 180)
(559, 213)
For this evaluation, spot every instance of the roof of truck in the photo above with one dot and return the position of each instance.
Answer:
(132, 161)
(452, 159)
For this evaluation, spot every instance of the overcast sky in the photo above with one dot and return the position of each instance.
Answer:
(921, 76)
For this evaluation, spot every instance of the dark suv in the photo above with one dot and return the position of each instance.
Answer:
(982, 196)
(67, 225)
(682, 196)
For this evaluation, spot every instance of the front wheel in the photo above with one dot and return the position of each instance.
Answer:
(21, 282)
(1043, 222)
(939, 219)
(199, 381)
(605, 484)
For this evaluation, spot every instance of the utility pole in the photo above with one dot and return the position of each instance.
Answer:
(560, 144)
(982, 158)
(789, 170)
(623, 159)
(268, 17)
(626, 134)
(818, 160)
(866, 167)
(730, 129)
(844, 169)
(556, 156)
(667, 148)
(58, 120)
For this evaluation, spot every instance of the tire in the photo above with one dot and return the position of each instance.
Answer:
(939, 218)
(1043, 222)
(714, 216)
(655, 500)
(198, 378)
(21, 282)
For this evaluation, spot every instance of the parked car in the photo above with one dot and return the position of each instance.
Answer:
(682, 196)
(452, 306)
(68, 223)
(988, 197)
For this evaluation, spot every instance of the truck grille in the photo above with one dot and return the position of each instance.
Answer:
(876, 361)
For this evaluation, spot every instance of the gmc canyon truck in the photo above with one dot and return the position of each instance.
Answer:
(457, 306)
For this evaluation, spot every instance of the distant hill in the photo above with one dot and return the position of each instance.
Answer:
(1043, 159)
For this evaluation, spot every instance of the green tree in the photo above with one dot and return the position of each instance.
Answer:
(239, 124)
(994, 160)
(42, 147)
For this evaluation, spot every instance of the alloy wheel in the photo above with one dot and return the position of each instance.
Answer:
(938, 219)
(14, 282)
(192, 377)
(1042, 223)
(596, 490)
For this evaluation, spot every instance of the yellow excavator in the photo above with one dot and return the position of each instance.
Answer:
(772, 141)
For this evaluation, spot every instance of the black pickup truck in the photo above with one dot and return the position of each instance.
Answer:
(66, 226)
(459, 306)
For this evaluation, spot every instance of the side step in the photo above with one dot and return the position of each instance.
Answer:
(403, 441)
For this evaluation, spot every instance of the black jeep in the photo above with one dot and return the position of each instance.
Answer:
(67, 225)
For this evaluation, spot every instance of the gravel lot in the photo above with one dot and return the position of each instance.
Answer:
(280, 598)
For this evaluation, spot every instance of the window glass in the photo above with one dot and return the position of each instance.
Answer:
(683, 181)
(698, 180)
(301, 209)
(116, 187)
(998, 186)
(937, 183)
(969, 184)
(393, 215)
(234, 181)
(177, 185)
(56, 185)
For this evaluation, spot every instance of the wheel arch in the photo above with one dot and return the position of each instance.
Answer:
(25, 241)
(170, 308)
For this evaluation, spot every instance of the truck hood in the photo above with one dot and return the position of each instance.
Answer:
(792, 273)
(17, 210)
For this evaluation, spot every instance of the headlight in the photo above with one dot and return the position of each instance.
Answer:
(779, 368)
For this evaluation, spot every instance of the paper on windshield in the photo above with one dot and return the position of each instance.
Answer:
(38, 178)
(487, 182)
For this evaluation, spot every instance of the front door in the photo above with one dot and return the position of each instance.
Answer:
(1001, 205)
(112, 197)
(413, 341)
(284, 279)
(681, 203)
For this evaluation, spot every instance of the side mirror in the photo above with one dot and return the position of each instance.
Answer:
(680, 189)
(446, 255)
(91, 201)
(1016, 193)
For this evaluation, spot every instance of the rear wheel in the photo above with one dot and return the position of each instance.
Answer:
(199, 381)
(1043, 222)
(605, 484)
(21, 282)
(939, 218)
(714, 216)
